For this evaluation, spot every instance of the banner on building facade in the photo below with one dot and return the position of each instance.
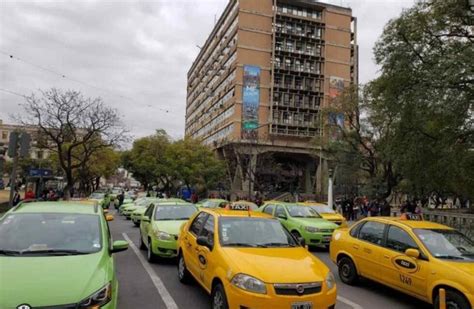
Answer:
(250, 100)
(336, 86)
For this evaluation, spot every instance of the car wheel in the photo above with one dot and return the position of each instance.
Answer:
(454, 300)
(151, 257)
(347, 271)
(136, 223)
(142, 244)
(296, 234)
(183, 274)
(219, 300)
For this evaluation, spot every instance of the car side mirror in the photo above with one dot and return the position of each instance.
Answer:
(145, 219)
(109, 218)
(119, 245)
(302, 241)
(204, 241)
(282, 216)
(414, 253)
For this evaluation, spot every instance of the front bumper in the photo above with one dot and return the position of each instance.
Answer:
(165, 248)
(238, 298)
(315, 239)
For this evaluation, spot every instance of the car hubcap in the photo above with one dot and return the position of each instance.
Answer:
(452, 304)
(345, 270)
(181, 267)
(218, 300)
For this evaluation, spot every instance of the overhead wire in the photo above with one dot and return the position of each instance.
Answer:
(13, 57)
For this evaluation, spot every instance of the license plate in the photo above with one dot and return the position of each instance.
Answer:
(327, 238)
(305, 305)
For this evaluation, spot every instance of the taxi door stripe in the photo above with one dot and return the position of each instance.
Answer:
(165, 295)
(349, 302)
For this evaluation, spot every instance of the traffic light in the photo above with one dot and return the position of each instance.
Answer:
(25, 140)
(13, 144)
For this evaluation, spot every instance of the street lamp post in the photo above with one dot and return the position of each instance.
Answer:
(330, 185)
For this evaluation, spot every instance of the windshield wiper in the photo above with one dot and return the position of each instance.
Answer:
(53, 252)
(278, 244)
(450, 257)
(9, 252)
(241, 244)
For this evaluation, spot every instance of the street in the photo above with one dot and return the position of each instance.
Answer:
(144, 285)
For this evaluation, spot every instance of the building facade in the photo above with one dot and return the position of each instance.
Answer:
(35, 151)
(256, 89)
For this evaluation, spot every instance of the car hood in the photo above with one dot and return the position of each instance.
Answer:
(51, 280)
(139, 210)
(466, 267)
(170, 227)
(262, 264)
(316, 222)
(332, 217)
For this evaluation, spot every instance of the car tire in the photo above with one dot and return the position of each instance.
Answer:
(183, 274)
(151, 257)
(142, 244)
(454, 300)
(219, 299)
(296, 234)
(347, 271)
(136, 223)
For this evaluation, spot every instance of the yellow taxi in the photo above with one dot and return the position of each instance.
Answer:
(246, 259)
(327, 213)
(241, 205)
(410, 255)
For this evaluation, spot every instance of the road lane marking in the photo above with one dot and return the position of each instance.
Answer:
(349, 302)
(165, 295)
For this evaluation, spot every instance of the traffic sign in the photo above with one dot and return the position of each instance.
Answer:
(40, 172)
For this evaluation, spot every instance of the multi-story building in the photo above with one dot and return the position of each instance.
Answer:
(257, 87)
(35, 151)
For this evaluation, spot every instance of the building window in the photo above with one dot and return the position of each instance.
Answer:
(4, 134)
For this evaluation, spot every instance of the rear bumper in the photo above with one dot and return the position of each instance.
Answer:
(314, 239)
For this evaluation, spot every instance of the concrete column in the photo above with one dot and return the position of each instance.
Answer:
(307, 178)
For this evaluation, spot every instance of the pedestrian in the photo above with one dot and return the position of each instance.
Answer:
(384, 208)
(194, 198)
(29, 195)
(16, 197)
(121, 197)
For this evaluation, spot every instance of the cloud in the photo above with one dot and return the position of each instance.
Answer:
(136, 54)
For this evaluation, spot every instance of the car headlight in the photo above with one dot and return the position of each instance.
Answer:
(330, 280)
(99, 298)
(311, 229)
(162, 235)
(249, 283)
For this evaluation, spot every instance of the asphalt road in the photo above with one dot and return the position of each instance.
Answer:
(144, 285)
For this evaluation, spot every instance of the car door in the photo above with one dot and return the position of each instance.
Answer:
(144, 225)
(268, 209)
(280, 210)
(367, 247)
(190, 243)
(401, 270)
(204, 254)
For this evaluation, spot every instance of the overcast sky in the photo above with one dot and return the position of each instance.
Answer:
(133, 54)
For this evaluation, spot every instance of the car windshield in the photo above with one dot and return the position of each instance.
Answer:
(142, 202)
(97, 196)
(174, 212)
(211, 204)
(447, 244)
(50, 234)
(323, 209)
(297, 211)
(253, 232)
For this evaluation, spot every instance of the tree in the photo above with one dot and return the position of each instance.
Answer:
(147, 159)
(103, 163)
(426, 89)
(73, 127)
(194, 163)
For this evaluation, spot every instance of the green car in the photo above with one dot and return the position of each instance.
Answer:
(98, 197)
(302, 222)
(211, 203)
(160, 226)
(57, 255)
(137, 214)
(142, 203)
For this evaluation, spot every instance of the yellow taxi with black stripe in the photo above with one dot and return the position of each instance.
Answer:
(247, 259)
(410, 255)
